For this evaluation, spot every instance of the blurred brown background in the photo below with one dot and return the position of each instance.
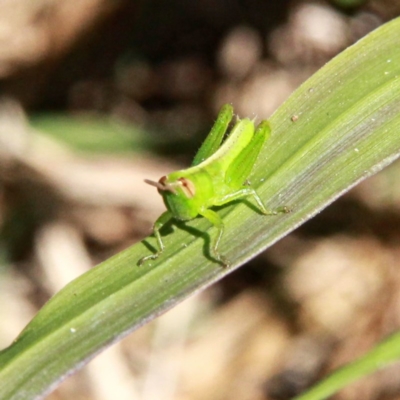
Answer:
(97, 95)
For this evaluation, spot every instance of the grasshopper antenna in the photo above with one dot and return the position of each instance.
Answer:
(160, 185)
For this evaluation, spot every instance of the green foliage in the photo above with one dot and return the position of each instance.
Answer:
(383, 354)
(91, 133)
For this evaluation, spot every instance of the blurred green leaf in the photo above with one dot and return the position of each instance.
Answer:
(383, 354)
(91, 133)
(338, 128)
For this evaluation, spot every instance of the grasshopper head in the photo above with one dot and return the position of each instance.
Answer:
(163, 185)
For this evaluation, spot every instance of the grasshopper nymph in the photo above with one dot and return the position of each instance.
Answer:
(217, 176)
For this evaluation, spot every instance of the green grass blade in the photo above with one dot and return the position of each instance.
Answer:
(91, 133)
(385, 353)
(347, 128)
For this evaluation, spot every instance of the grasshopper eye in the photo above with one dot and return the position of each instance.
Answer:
(187, 187)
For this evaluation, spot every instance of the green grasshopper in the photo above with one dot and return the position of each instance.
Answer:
(217, 176)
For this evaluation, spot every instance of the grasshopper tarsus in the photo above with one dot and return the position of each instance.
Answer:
(222, 260)
(148, 258)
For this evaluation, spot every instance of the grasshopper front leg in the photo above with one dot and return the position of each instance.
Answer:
(160, 222)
